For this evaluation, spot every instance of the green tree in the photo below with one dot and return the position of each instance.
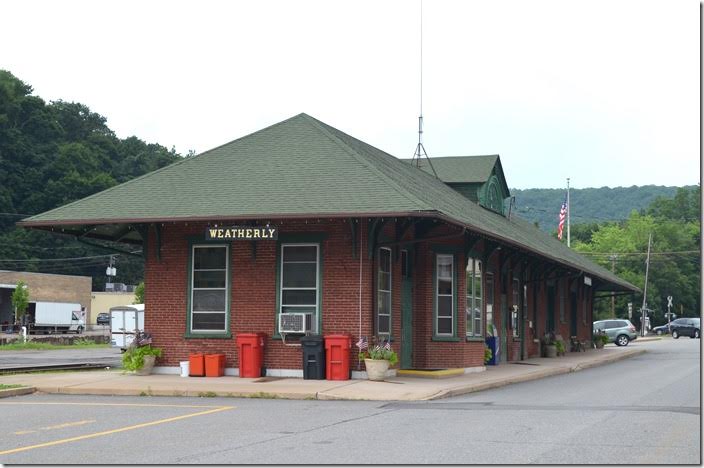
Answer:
(139, 293)
(20, 299)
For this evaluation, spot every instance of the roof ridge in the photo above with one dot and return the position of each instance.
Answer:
(364, 160)
(161, 169)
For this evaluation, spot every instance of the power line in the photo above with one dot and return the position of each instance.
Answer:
(608, 254)
(54, 259)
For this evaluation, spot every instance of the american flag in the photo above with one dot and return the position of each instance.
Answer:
(362, 343)
(387, 345)
(563, 215)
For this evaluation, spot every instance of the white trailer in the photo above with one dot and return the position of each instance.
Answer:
(125, 321)
(56, 317)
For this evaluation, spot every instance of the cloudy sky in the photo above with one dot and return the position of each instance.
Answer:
(606, 93)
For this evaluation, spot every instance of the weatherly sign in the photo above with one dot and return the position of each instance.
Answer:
(242, 233)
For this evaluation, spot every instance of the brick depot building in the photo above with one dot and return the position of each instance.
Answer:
(302, 218)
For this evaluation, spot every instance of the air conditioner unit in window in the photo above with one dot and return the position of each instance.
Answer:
(294, 322)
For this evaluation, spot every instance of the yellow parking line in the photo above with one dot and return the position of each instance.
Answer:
(29, 403)
(114, 431)
(57, 426)
(68, 424)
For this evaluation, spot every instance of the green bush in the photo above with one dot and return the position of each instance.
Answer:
(133, 359)
(487, 354)
(560, 346)
(379, 352)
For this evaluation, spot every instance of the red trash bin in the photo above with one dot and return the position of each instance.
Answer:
(196, 365)
(214, 365)
(251, 353)
(337, 360)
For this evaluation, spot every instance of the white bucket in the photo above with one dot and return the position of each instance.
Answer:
(185, 367)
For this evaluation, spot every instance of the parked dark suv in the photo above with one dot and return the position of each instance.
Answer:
(103, 319)
(685, 327)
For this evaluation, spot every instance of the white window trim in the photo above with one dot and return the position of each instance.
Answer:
(314, 319)
(379, 290)
(226, 288)
(451, 295)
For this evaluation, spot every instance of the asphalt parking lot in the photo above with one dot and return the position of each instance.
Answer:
(48, 421)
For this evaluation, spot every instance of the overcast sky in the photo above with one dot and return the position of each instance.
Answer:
(606, 93)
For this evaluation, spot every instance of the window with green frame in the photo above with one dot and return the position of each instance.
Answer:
(516, 308)
(209, 289)
(444, 295)
(300, 280)
(473, 307)
(383, 292)
(489, 302)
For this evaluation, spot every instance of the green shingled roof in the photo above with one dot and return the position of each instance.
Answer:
(300, 167)
(461, 169)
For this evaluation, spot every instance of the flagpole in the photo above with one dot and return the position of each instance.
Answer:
(568, 212)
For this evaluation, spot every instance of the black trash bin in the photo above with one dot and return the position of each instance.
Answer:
(313, 347)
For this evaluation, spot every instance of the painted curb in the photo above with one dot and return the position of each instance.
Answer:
(178, 393)
(10, 392)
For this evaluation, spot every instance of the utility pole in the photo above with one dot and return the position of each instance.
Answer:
(612, 257)
(645, 288)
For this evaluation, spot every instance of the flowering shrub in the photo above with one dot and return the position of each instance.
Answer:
(381, 349)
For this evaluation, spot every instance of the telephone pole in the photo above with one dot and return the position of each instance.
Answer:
(612, 257)
(645, 288)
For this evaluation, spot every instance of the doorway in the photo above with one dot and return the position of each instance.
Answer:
(406, 311)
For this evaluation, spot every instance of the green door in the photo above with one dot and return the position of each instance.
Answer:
(573, 314)
(550, 326)
(406, 312)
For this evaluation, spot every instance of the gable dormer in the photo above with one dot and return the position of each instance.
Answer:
(478, 178)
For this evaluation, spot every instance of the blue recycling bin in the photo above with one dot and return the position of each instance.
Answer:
(492, 343)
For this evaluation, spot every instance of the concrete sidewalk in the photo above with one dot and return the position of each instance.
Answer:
(115, 382)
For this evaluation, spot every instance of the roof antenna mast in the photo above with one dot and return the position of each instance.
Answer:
(420, 149)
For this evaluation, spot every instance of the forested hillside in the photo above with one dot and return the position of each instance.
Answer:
(587, 205)
(675, 259)
(53, 153)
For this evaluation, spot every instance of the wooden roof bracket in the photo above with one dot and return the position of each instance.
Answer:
(82, 240)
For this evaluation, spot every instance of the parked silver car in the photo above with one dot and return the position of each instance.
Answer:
(619, 331)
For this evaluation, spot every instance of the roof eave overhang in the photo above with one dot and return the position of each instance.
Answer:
(606, 283)
(77, 227)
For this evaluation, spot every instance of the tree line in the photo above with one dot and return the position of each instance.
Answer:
(54, 153)
(621, 246)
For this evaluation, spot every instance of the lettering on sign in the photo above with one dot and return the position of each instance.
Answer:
(587, 280)
(242, 233)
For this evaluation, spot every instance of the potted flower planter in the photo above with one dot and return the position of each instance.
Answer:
(376, 368)
(551, 351)
(147, 367)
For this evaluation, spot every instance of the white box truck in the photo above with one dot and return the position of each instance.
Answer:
(125, 321)
(56, 317)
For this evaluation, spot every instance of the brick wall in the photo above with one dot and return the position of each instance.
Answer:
(53, 288)
(253, 296)
(253, 292)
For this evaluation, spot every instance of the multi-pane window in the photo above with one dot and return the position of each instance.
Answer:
(473, 306)
(445, 294)
(515, 308)
(489, 301)
(300, 280)
(209, 279)
(383, 293)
